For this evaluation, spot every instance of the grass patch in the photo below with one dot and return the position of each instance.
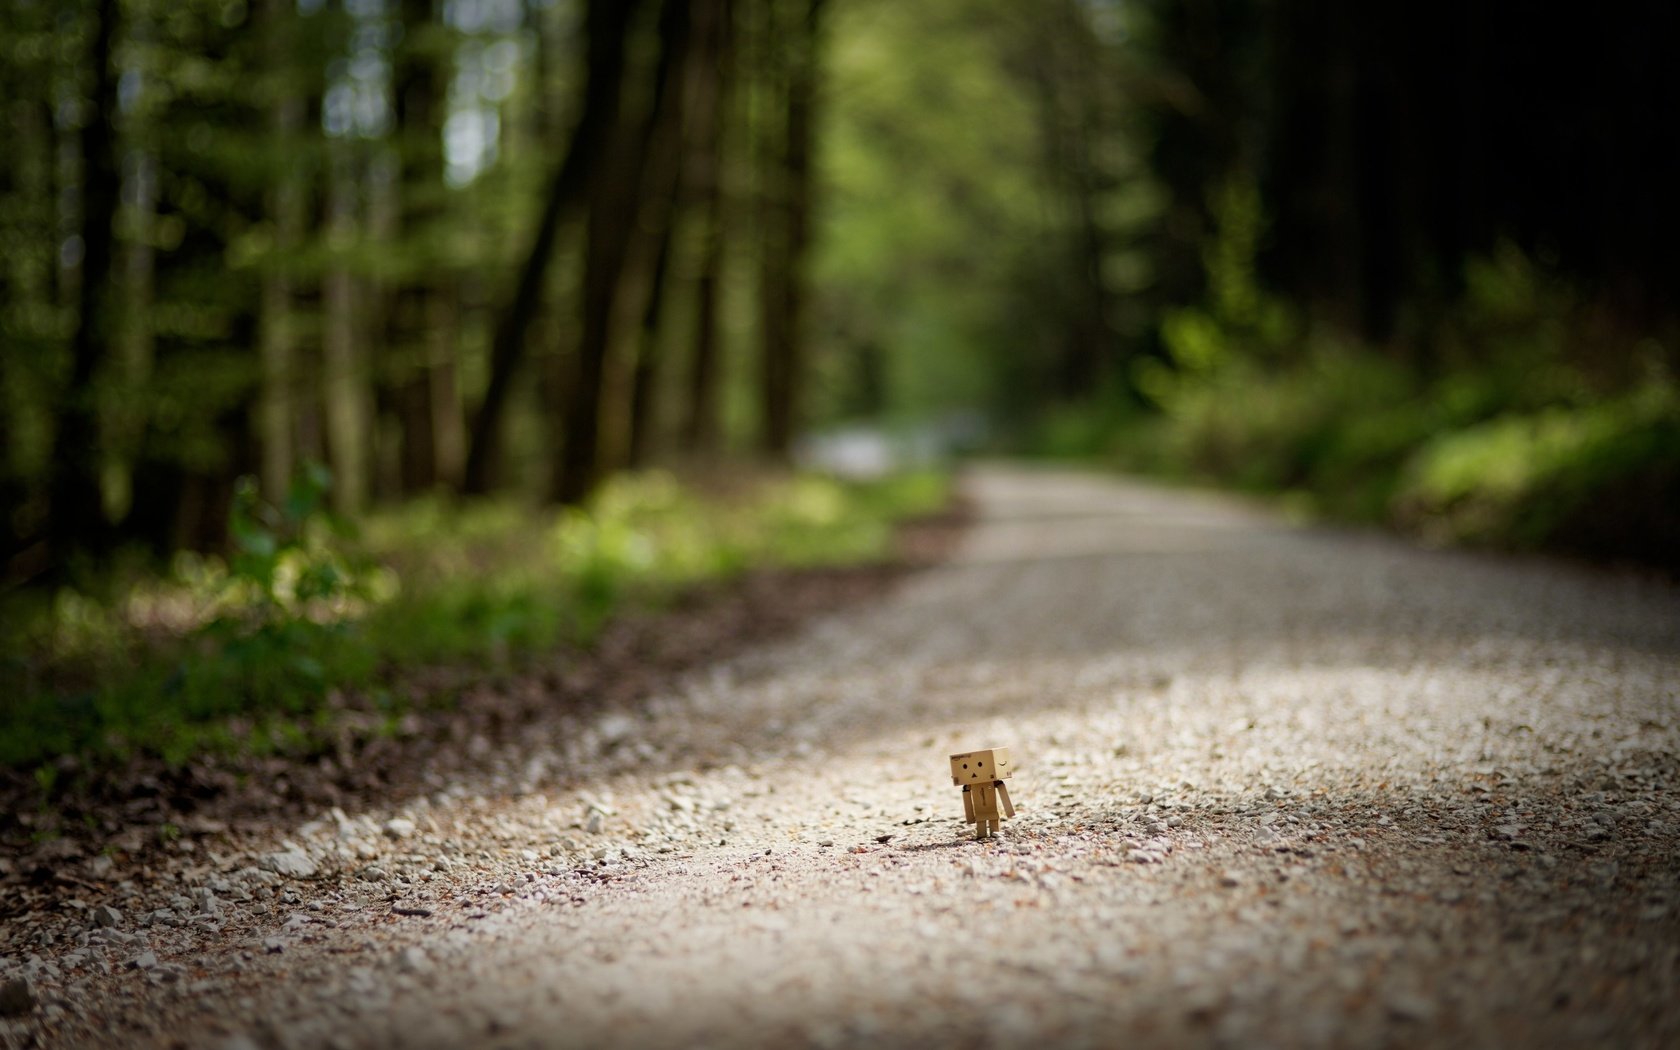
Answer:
(1525, 478)
(264, 650)
(1473, 457)
(1514, 431)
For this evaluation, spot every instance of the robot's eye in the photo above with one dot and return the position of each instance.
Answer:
(979, 763)
(965, 765)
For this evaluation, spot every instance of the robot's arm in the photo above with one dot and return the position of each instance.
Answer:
(1003, 796)
(968, 806)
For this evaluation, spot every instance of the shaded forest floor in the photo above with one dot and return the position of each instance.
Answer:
(458, 715)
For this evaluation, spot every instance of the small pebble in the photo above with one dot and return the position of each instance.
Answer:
(291, 863)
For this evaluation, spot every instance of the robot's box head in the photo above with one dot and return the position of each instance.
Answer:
(982, 767)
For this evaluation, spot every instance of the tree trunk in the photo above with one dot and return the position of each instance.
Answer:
(617, 193)
(416, 442)
(188, 458)
(607, 24)
(76, 515)
(706, 182)
(415, 347)
(26, 284)
(787, 232)
(672, 145)
(276, 410)
(346, 390)
(448, 425)
(644, 380)
(127, 414)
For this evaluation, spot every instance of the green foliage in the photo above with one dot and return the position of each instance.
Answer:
(1334, 425)
(640, 532)
(941, 267)
(813, 521)
(1240, 326)
(287, 563)
(1086, 430)
(1521, 478)
(646, 535)
(258, 651)
(1509, 444)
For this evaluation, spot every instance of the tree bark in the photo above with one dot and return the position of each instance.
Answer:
(787, 232)
(276, 408)
(415, 346)
(76, 517)
(188, 458)
(644, 381)
(448, 425)
(607, 24)
(714, 38)
(677, 135)
(346, 386)
(617, 193)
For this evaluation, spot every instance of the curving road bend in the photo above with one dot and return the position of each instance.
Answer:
(1277, 786)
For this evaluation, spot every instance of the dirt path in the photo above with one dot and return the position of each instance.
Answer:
(1277, 786)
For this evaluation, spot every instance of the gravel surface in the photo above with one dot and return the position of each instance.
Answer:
(1276, 786)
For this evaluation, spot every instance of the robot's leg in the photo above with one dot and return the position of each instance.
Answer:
(985, 810)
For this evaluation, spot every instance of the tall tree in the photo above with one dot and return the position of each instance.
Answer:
(606, 27)
(77, 519)
(671, 156)
(31, 312)
(645, 373)
(345, 377)
(714, 32)
(209, 133)
(792, 67)
(277, 398)
(419, 337)
(620, 190)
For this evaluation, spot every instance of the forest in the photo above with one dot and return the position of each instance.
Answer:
(485, 245)
(511, 512)
(277, 270)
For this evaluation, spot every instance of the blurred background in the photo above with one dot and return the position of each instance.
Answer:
(1403, 263)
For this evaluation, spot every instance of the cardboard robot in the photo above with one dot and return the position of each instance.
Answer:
(981, 774)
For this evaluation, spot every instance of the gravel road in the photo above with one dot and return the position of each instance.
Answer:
(1277, 786)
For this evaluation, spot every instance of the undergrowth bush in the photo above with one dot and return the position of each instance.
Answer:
(1527, 478)
(248, 652)
(1511, 436)
(1337, 427)
(1470, 458)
